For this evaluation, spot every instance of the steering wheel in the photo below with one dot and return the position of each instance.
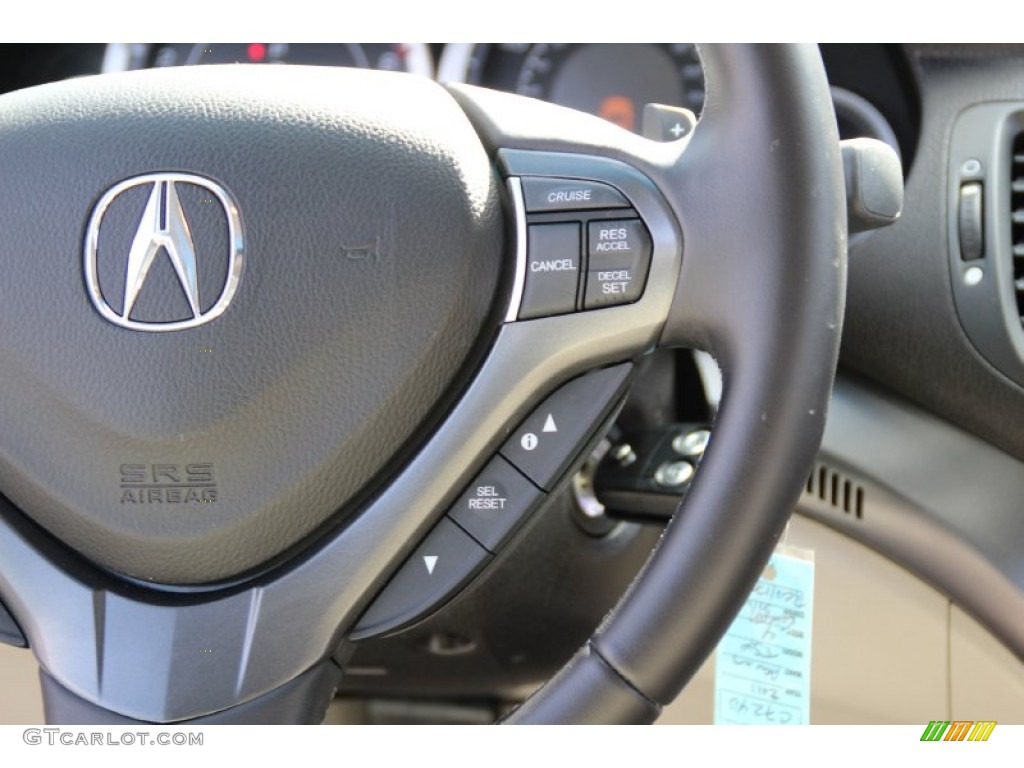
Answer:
(262, 331)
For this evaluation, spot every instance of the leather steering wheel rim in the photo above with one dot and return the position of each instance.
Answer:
(760, 201)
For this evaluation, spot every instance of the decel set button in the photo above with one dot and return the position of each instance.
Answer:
(619, 259)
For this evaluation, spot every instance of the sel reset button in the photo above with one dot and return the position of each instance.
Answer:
(495, 503)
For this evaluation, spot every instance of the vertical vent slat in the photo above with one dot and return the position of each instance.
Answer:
(836, 491)
(1017, 219)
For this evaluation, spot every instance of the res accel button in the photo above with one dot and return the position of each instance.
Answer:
(445, 560)
(543, 195)
(552, 270)
(495, 503)
(620, 257)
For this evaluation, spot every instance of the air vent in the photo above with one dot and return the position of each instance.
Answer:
(836, 490)
(985, 229)
(1017, 219)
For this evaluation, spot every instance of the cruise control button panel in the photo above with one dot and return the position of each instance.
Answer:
(586, 247)
(546, 443)
(446, 560)
(495, 503)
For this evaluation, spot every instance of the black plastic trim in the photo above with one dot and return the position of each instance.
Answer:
(302, 701)
(980, 151)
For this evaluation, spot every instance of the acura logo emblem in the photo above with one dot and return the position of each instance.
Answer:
(164, 232)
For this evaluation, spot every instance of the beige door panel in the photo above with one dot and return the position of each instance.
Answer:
(882, 647)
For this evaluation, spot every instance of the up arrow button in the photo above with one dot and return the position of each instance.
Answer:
(563, 424)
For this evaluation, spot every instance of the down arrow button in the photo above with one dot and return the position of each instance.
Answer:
(442, 564)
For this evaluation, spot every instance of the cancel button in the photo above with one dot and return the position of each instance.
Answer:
(552, 270)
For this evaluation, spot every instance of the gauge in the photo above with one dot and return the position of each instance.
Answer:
(399, 57)
(614, 81)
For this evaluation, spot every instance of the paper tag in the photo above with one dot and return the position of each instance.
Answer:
(763, 664)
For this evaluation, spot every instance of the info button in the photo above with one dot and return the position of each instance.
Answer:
(495, 503)
(543, 195)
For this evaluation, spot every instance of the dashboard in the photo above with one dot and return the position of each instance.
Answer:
(921, 460)
(872, 89)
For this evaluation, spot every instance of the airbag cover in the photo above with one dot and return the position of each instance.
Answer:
(372, 245)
